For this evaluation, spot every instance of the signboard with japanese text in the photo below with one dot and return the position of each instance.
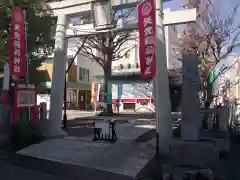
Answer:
(26, 98)
(17, 44)
(147, 36)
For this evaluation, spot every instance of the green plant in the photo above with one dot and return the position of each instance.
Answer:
(25, 133)
(40, 30)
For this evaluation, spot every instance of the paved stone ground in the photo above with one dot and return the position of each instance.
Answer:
(11, 172)
(28, 168)
(125, 157)
(79, 158)
(126, 129)
(82, 126)
(78, 115)
(72, 114)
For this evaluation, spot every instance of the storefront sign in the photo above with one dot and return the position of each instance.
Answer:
(147, 36)
(17, 44)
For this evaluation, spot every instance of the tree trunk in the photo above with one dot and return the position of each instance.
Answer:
(107, 73)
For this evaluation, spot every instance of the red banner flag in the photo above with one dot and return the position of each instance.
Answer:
(147, 38)
(17, 44)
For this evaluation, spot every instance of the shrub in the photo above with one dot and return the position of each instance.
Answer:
(25, 133)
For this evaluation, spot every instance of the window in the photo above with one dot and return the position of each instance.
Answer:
(129, 14)
(126, 13)
(83, 74)
(80, 18)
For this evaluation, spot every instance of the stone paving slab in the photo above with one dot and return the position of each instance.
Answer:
(124, 157)
(24, 173)
(131, 131)
(51, 170)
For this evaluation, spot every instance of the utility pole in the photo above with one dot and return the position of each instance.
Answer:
(161, 85)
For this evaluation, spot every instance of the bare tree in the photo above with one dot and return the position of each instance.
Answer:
(212, 38)
(104, 48)
(227, 86)
(144, 90)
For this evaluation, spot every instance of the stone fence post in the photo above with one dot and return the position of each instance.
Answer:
(223, 118)
(5, 122)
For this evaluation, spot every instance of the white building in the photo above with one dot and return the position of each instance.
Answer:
(80, 22)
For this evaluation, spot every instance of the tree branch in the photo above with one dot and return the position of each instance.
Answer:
(118, 56)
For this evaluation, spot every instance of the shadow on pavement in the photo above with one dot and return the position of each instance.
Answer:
(62, 170)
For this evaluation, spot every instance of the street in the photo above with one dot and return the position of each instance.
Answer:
(72, 114)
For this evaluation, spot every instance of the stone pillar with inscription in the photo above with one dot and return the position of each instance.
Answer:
(53, 126)
(190, 99)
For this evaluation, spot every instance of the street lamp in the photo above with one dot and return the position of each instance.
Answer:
(65, 84)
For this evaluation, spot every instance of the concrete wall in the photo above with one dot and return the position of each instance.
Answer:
(94, 68)
(132, 57)
(72, 75)
(73, 6)
(48, 68)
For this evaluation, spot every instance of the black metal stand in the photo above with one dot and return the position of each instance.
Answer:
(111, 136)
(114, 135)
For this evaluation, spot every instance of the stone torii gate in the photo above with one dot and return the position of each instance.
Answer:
(64, 8)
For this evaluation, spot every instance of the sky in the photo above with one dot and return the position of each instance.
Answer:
(222, 6)
(174, 4)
